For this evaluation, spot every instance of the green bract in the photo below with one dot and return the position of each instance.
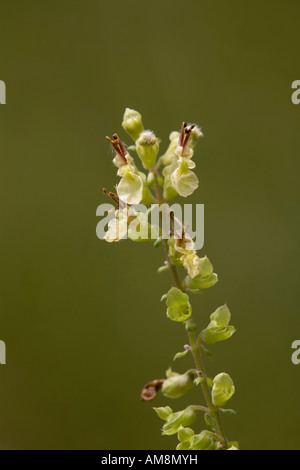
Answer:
(132, 123)
(179, 307)
(218, 329)
(222, 389)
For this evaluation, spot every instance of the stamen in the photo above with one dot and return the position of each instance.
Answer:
(118, 146)
(187, 132)
(113, 196)
(182, 132)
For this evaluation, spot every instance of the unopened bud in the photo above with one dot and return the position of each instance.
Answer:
(177, 385)
(147, 147)
(132, 123)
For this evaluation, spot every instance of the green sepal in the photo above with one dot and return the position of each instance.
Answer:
(218, 328)
(184, 434)
(202, 441)
(222, 389)
(177, 385)
(179, 307)
(175, 420)
(163, 412)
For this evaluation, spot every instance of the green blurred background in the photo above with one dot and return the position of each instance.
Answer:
(81, 319)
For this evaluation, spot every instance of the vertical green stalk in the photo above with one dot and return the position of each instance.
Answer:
(194, 344)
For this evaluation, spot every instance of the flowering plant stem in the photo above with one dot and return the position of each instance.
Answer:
(156, 189)
(194, 343)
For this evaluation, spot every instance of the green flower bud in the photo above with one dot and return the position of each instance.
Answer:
(175, 420)
(179, 307)
(185, 434)
(218, 329)
(147, 147)
(177, 385)
(222, 389)
(132, 123)
(202, 441)
(167, 158)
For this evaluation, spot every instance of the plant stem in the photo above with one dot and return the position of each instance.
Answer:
(195, 345)
(213, 412)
